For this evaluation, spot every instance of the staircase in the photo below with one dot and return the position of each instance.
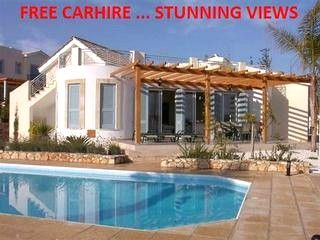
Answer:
(33, 100)
(42, 83)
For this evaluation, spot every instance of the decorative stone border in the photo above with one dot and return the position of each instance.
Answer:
(238, 165)
(64, 157)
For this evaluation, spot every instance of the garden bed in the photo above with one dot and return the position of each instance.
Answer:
(64, 157)
(237, 165)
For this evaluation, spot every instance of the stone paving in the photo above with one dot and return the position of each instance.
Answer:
(277, 207)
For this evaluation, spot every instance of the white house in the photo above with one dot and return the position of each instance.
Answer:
(77, 96)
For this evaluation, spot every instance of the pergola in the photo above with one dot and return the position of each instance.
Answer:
(5, 82)
(186, 75)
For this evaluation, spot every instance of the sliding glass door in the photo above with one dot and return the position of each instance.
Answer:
(194, 112)
(154, 118)
(189, 112)
(162, 113)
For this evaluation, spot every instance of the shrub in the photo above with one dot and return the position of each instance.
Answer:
(77, 144)
(4, 113)
(114, 149)
(279, 152)
(221, 151)
(195, 150)
(39, 129)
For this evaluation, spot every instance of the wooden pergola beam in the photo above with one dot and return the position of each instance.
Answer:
(248, 75)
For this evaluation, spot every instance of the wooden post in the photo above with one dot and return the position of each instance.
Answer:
(207, 111)
(137, 106)
(265, 112)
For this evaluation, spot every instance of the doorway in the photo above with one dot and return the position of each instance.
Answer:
(162, 111)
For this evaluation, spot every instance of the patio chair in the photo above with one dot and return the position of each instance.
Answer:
(184, 137)
(168, 135)
(150, 136)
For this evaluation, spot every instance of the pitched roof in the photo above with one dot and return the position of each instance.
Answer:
(106, 54)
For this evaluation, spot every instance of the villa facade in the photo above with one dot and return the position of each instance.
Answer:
(76, 94)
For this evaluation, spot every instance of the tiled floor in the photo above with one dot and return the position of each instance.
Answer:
(277, 207)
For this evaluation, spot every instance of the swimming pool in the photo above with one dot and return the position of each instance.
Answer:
(140, 200)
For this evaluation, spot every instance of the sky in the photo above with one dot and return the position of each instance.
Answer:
(237, 40)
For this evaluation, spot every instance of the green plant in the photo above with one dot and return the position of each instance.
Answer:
(16, 126)
(4, 112)
(279, 152)
(71, 144)
(77, 144)
(305, 45)
(221, 151)
(114, 149)
(195, 150)
(39, 129)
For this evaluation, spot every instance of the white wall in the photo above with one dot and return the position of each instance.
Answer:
(90, 74)
(289, 105)
(19, 102)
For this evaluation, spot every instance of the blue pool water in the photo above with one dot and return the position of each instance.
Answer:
(118, 198)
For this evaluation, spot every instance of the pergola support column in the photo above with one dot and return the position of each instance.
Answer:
(265, 113)
(5, 91)
(207, 111)
(137, 106)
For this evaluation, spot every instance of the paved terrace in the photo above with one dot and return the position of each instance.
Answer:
(277, 207)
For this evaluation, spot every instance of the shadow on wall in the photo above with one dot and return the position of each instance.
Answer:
(297, 124)
(280, 109)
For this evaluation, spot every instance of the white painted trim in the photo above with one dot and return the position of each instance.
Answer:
(74, 41)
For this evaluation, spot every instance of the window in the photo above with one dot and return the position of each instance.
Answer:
(65, 59)
(107, 106)
(18, 68)
(73, 105)
(1, 66)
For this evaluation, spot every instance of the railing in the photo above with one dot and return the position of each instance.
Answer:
(110, 57)
(39, 83)
(156, 59)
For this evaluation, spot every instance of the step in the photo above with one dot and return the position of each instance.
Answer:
(315, 170)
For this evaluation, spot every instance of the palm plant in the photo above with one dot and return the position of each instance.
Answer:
(306, 45)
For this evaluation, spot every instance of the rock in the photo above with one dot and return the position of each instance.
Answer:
(203, 164)
(253, 166)
(273, 167)
(164, 163)
(235, 165)
(22, 156)
(37, 156)
(30, 156)
(244, 165)
(14, 155)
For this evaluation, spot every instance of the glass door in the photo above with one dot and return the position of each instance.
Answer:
(168, 112)
(189, 105)
(154, 116)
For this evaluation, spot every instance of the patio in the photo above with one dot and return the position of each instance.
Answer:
(277, 207)
(186, 76)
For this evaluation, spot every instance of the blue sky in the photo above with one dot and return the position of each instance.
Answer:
(235, 39)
